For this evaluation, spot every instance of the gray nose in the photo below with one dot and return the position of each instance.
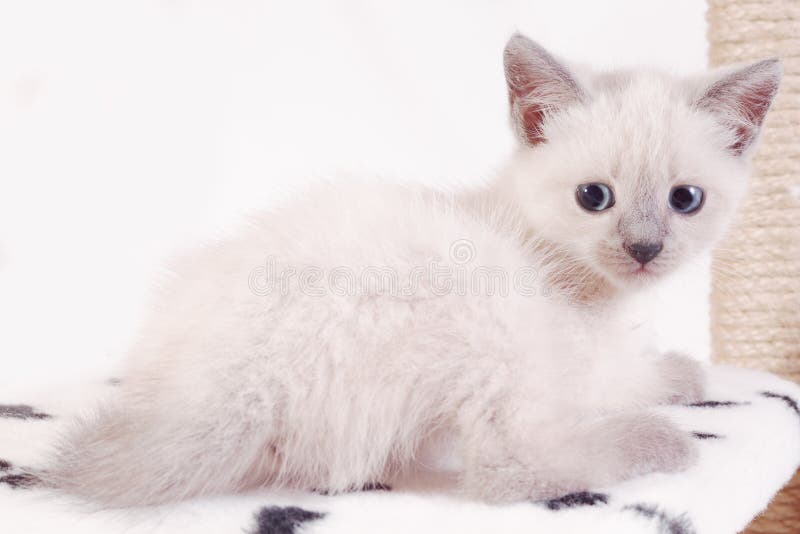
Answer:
(644, 252)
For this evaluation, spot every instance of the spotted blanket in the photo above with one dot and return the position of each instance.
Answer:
(748, 431)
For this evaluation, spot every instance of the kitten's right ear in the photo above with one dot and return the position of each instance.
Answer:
(741, 100)
(538, 85)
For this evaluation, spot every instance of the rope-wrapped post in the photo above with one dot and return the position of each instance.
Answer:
(755, 298)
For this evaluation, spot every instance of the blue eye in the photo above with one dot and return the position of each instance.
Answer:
(595, 197)
(686, 198)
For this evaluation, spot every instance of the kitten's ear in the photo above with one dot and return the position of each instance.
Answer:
(741, 99)
(538, 85)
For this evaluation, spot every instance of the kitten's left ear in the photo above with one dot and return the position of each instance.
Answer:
(741, 100)
(538, 85)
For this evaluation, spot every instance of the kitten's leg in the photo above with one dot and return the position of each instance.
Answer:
(506, 464)
(681, 379)
(644, 381)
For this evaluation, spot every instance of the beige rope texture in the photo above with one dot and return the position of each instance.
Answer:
(755, 297)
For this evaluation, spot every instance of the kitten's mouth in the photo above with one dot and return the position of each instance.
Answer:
(625, 271)
(641, 272)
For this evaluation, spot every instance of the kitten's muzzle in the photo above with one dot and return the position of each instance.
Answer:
(643, 252)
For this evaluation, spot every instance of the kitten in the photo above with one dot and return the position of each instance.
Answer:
(325, 344)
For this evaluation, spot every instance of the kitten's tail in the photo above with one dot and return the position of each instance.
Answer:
(118, 459)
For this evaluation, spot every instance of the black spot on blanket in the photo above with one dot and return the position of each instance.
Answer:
(371, 486)
(21, 411)
(376, 486)
(278, 520)
(4, 465)
(790, 402)
(716, 404)
(22, 480)
(582, 498)
(705, 435)
(667, 524)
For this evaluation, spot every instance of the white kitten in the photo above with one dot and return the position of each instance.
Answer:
(323, 345)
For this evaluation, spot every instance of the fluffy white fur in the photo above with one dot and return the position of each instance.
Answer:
(273, 359)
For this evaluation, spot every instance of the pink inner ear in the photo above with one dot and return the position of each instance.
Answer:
(532, 118)
(742, 99)
(755, 102)
(752, 105)
(537, 84)
(535, 91)
(744, 136)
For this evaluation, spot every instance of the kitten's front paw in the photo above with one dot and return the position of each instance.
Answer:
(508, 484)
(683, 379)
(500, 484)
(652, 443)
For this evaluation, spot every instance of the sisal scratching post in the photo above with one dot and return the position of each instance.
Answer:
(755, 298)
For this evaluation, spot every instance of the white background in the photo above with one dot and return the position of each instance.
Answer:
(131, 129)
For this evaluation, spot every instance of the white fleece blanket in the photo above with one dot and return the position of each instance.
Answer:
(748, 431)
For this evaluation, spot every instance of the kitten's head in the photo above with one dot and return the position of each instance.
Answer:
(632, 172)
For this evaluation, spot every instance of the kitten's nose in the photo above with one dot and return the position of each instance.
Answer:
(644, 252)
